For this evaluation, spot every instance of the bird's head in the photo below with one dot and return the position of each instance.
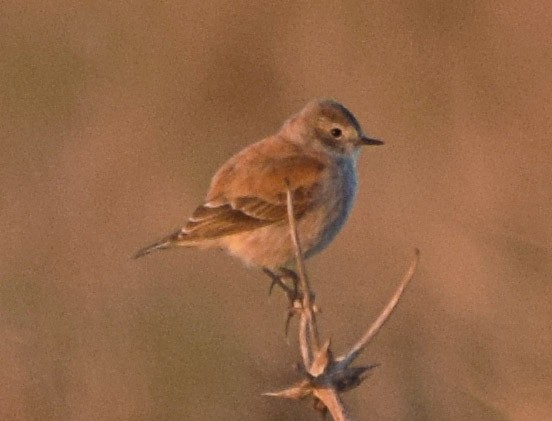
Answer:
(329, 125)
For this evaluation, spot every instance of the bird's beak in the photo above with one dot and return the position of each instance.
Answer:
(365, 140)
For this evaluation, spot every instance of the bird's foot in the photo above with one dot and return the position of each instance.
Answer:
(293, 293)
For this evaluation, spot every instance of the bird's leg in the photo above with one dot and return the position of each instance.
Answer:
(291, 275)
(278, 280)
(294, 296)
(297, 293)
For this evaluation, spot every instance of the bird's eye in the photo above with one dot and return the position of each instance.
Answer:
(336, 132)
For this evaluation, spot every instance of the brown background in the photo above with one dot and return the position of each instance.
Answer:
(112, 120)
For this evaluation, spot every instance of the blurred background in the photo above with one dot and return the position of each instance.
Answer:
(114, 116)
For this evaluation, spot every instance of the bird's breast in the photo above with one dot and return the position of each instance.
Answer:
(334, 208)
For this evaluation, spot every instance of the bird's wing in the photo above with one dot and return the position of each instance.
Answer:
(250, 190)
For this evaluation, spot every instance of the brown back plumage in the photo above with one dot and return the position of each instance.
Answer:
(249, 191)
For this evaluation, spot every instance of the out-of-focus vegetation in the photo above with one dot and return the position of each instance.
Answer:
(113, 116)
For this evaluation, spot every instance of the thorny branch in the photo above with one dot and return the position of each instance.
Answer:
(325, 376)
(309, 339)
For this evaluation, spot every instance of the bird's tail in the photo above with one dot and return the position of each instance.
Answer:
(173, 240)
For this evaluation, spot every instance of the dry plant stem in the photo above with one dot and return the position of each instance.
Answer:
(309, 339)
(327, 377)
(306, 351)
(357, 348)
(308, 317)
(333, 402)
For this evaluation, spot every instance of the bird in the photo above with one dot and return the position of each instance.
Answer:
(314, 156)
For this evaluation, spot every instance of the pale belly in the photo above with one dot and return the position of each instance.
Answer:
(271, 246)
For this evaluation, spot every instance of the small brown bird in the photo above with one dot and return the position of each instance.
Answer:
(314, 155)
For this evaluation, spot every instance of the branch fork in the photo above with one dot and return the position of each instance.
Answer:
(326, 376)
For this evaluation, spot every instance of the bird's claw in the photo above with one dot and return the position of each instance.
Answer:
(293, 293)
(277, 279)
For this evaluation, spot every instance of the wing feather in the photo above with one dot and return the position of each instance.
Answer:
(218, 222)
(249, 191)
